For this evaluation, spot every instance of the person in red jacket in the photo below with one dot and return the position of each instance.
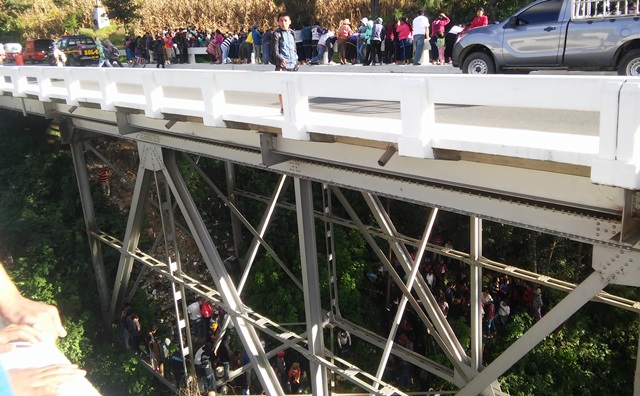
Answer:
(479, 20)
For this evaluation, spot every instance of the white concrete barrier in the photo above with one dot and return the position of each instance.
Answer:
(614, 155)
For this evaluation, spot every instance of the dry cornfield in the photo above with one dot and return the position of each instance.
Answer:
(47, 17)
(235, 15)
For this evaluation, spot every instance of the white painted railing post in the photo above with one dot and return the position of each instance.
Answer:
(108, 90)
(418, 119)
(45, 86)
(296, 109)
(618, 163)
(191, 56)
(214, 102)
(73, 87)
(153, 95)
(19, 82)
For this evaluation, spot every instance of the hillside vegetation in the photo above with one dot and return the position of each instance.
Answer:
(23, 19)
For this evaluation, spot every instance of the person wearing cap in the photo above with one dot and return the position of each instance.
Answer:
(344, 31)
(420, 32)
(362, 31)
(537, 304)
(257, 44)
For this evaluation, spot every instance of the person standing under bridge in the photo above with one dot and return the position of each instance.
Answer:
(31, 322)
(536, 305)
(103, 177)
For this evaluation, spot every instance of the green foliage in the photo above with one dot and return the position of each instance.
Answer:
(115, 371)
(9, 22)
(71, 22)
(102, 34)
(126, 11)
(43, 246)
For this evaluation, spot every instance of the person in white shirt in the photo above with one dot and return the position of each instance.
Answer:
(420, 32)
(195, 318)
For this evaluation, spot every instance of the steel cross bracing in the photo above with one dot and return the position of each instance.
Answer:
(464, 257)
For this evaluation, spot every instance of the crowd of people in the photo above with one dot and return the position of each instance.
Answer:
(373, 41)
(449, 283)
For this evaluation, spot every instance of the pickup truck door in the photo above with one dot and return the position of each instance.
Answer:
(594, 42)
(532, 38)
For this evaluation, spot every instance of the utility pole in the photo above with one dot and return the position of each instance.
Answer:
(375, 9)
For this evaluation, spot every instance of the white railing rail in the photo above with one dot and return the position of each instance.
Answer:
(614, 155)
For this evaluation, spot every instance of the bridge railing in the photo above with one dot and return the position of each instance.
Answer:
(613, 155)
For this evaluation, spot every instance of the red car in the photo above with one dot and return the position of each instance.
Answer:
(37, 50)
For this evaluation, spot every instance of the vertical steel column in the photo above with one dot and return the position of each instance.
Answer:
(636, 380)
(330, 246)
(403, 303)
(311, 282)
(174, 263)
(475, 254)
(224, 284)
(95, 247)
(554, 318)
(131, 237)
(236, 228)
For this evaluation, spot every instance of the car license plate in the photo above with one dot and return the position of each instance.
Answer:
(90, 52)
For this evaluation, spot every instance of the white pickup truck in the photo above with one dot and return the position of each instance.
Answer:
(556, 34)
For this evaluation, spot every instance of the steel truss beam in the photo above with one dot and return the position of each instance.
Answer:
(402, 181)
(244, 221)
(406, 292)
(131, 238)
(511, 270)
(311, 283)
(403, 303)
(223, 281)
(457, 353)
(172, 255)
(80, 168)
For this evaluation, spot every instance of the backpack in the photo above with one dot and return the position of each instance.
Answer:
(272, 47)
(114, 51)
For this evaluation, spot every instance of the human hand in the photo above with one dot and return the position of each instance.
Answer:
(13, 333)
(283, 63)
(43, 381)
(40, 316)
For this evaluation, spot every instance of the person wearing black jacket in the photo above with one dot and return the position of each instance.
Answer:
(158, 51)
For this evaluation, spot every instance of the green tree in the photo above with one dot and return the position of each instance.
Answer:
(9, 17)
(126, 11)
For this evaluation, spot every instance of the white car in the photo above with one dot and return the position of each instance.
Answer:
(11, 50)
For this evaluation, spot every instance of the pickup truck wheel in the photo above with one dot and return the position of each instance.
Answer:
(478, 63)
(630, 64)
